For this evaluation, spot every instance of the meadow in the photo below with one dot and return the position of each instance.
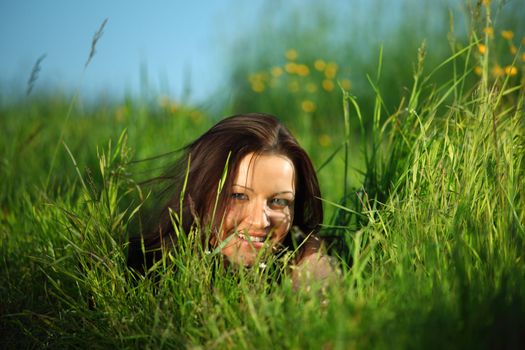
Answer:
(424, 193)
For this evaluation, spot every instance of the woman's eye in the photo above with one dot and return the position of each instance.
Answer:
(279, 203)
(239, 196)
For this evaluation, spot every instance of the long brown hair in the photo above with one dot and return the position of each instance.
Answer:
(201, 167)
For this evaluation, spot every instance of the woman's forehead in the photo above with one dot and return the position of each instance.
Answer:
(266, 170)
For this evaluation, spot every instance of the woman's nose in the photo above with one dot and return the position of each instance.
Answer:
(257, 216)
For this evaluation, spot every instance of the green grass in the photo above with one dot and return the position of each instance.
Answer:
(431, 234)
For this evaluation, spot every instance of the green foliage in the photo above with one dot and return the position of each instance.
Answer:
(431, 243)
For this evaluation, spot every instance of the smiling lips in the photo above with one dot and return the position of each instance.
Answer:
(255, 239)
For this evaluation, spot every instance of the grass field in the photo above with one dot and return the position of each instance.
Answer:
(427, 204)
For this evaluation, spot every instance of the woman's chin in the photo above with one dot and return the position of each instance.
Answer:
(243, 252)
(244, 258)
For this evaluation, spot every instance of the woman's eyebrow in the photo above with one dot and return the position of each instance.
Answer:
(276, 193)
(284, 192)
(245, 187)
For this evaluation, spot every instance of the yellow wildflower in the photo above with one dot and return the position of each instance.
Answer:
(303, 70)
(277, 71)
(513, 49)
(507, 34)
(258, 86)
(478, 70)
(164, 101)
(486, 2)
(257, 78)
(331, 70)
(121, 113)
(293, 86)
(308, 106)
(489, 31)
(482, 49)
(523, 57)
(319, 64)
(345, 83)
(291, 55)
(511, 70)
(325, 140)
(291, 67)
(497, 71)
(328, 85)
(196, 116)
(311, 87)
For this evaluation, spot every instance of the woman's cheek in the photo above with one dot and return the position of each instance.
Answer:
(288, 219)
(231, 220)
(284, 226)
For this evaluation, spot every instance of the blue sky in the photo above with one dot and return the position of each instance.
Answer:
(172, 41)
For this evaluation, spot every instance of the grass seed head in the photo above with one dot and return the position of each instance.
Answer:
(94, 41)
(34, 74)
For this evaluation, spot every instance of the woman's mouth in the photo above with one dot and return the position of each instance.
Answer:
(255, 239)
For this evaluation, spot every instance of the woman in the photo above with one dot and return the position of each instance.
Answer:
(244, 184)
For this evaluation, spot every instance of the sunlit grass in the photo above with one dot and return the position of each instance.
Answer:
(430, 238)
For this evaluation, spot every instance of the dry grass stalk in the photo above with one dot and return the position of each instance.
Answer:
(96, 37)
(34, 74)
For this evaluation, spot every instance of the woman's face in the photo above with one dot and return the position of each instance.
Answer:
(260, 210)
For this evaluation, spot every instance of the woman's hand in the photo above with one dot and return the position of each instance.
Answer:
(314, 266)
